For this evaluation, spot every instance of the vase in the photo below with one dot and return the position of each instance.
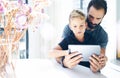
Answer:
(8, 52)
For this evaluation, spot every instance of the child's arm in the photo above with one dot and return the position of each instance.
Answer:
(57, 52)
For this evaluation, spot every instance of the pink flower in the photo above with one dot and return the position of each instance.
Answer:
(1, 8)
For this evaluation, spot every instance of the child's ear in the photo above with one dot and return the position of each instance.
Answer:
(69, 26)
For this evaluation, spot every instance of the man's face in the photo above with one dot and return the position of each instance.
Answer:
(94, 17)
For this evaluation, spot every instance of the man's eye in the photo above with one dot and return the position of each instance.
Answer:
(98, 18)
(91, 17)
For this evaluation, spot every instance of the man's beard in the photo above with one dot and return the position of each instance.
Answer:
(90, 25)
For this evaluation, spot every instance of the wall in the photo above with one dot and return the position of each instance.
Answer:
(109, 24)
(118, 10)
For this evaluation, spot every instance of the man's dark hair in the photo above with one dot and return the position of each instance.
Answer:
(98, 4)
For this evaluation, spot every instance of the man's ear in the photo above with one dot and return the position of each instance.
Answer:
(86, 24)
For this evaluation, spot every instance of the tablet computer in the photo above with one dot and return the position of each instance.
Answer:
(85, 50)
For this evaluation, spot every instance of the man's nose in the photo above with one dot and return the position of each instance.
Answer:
(94, 21)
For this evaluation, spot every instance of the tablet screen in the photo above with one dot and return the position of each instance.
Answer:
(85, 50)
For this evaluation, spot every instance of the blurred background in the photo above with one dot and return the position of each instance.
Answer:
(36, 44)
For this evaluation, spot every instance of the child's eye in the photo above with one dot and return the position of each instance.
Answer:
(81, 25)
(75, 26)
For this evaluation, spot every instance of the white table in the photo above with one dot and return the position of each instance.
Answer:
(110, 72)
(44, 68)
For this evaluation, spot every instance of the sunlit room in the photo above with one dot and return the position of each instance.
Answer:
(30, 29)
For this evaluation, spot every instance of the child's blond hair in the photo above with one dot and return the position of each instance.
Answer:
(77, 14)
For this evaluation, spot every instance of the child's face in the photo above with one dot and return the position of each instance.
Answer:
(78, 26)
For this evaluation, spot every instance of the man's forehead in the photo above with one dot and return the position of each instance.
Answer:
(96, 13)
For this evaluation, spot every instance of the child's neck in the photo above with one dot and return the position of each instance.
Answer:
(80, 38)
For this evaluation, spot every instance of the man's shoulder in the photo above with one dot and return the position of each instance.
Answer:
(67, 26)
(102, 30)
(66, 31)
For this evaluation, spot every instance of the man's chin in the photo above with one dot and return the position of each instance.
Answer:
(92, 27)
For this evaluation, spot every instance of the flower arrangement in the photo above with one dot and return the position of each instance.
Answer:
(15, 18)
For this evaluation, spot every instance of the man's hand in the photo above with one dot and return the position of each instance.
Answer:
(70, 61)
(103, 60)
(97, 62)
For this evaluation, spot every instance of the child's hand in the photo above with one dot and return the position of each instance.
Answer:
(72, 59)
